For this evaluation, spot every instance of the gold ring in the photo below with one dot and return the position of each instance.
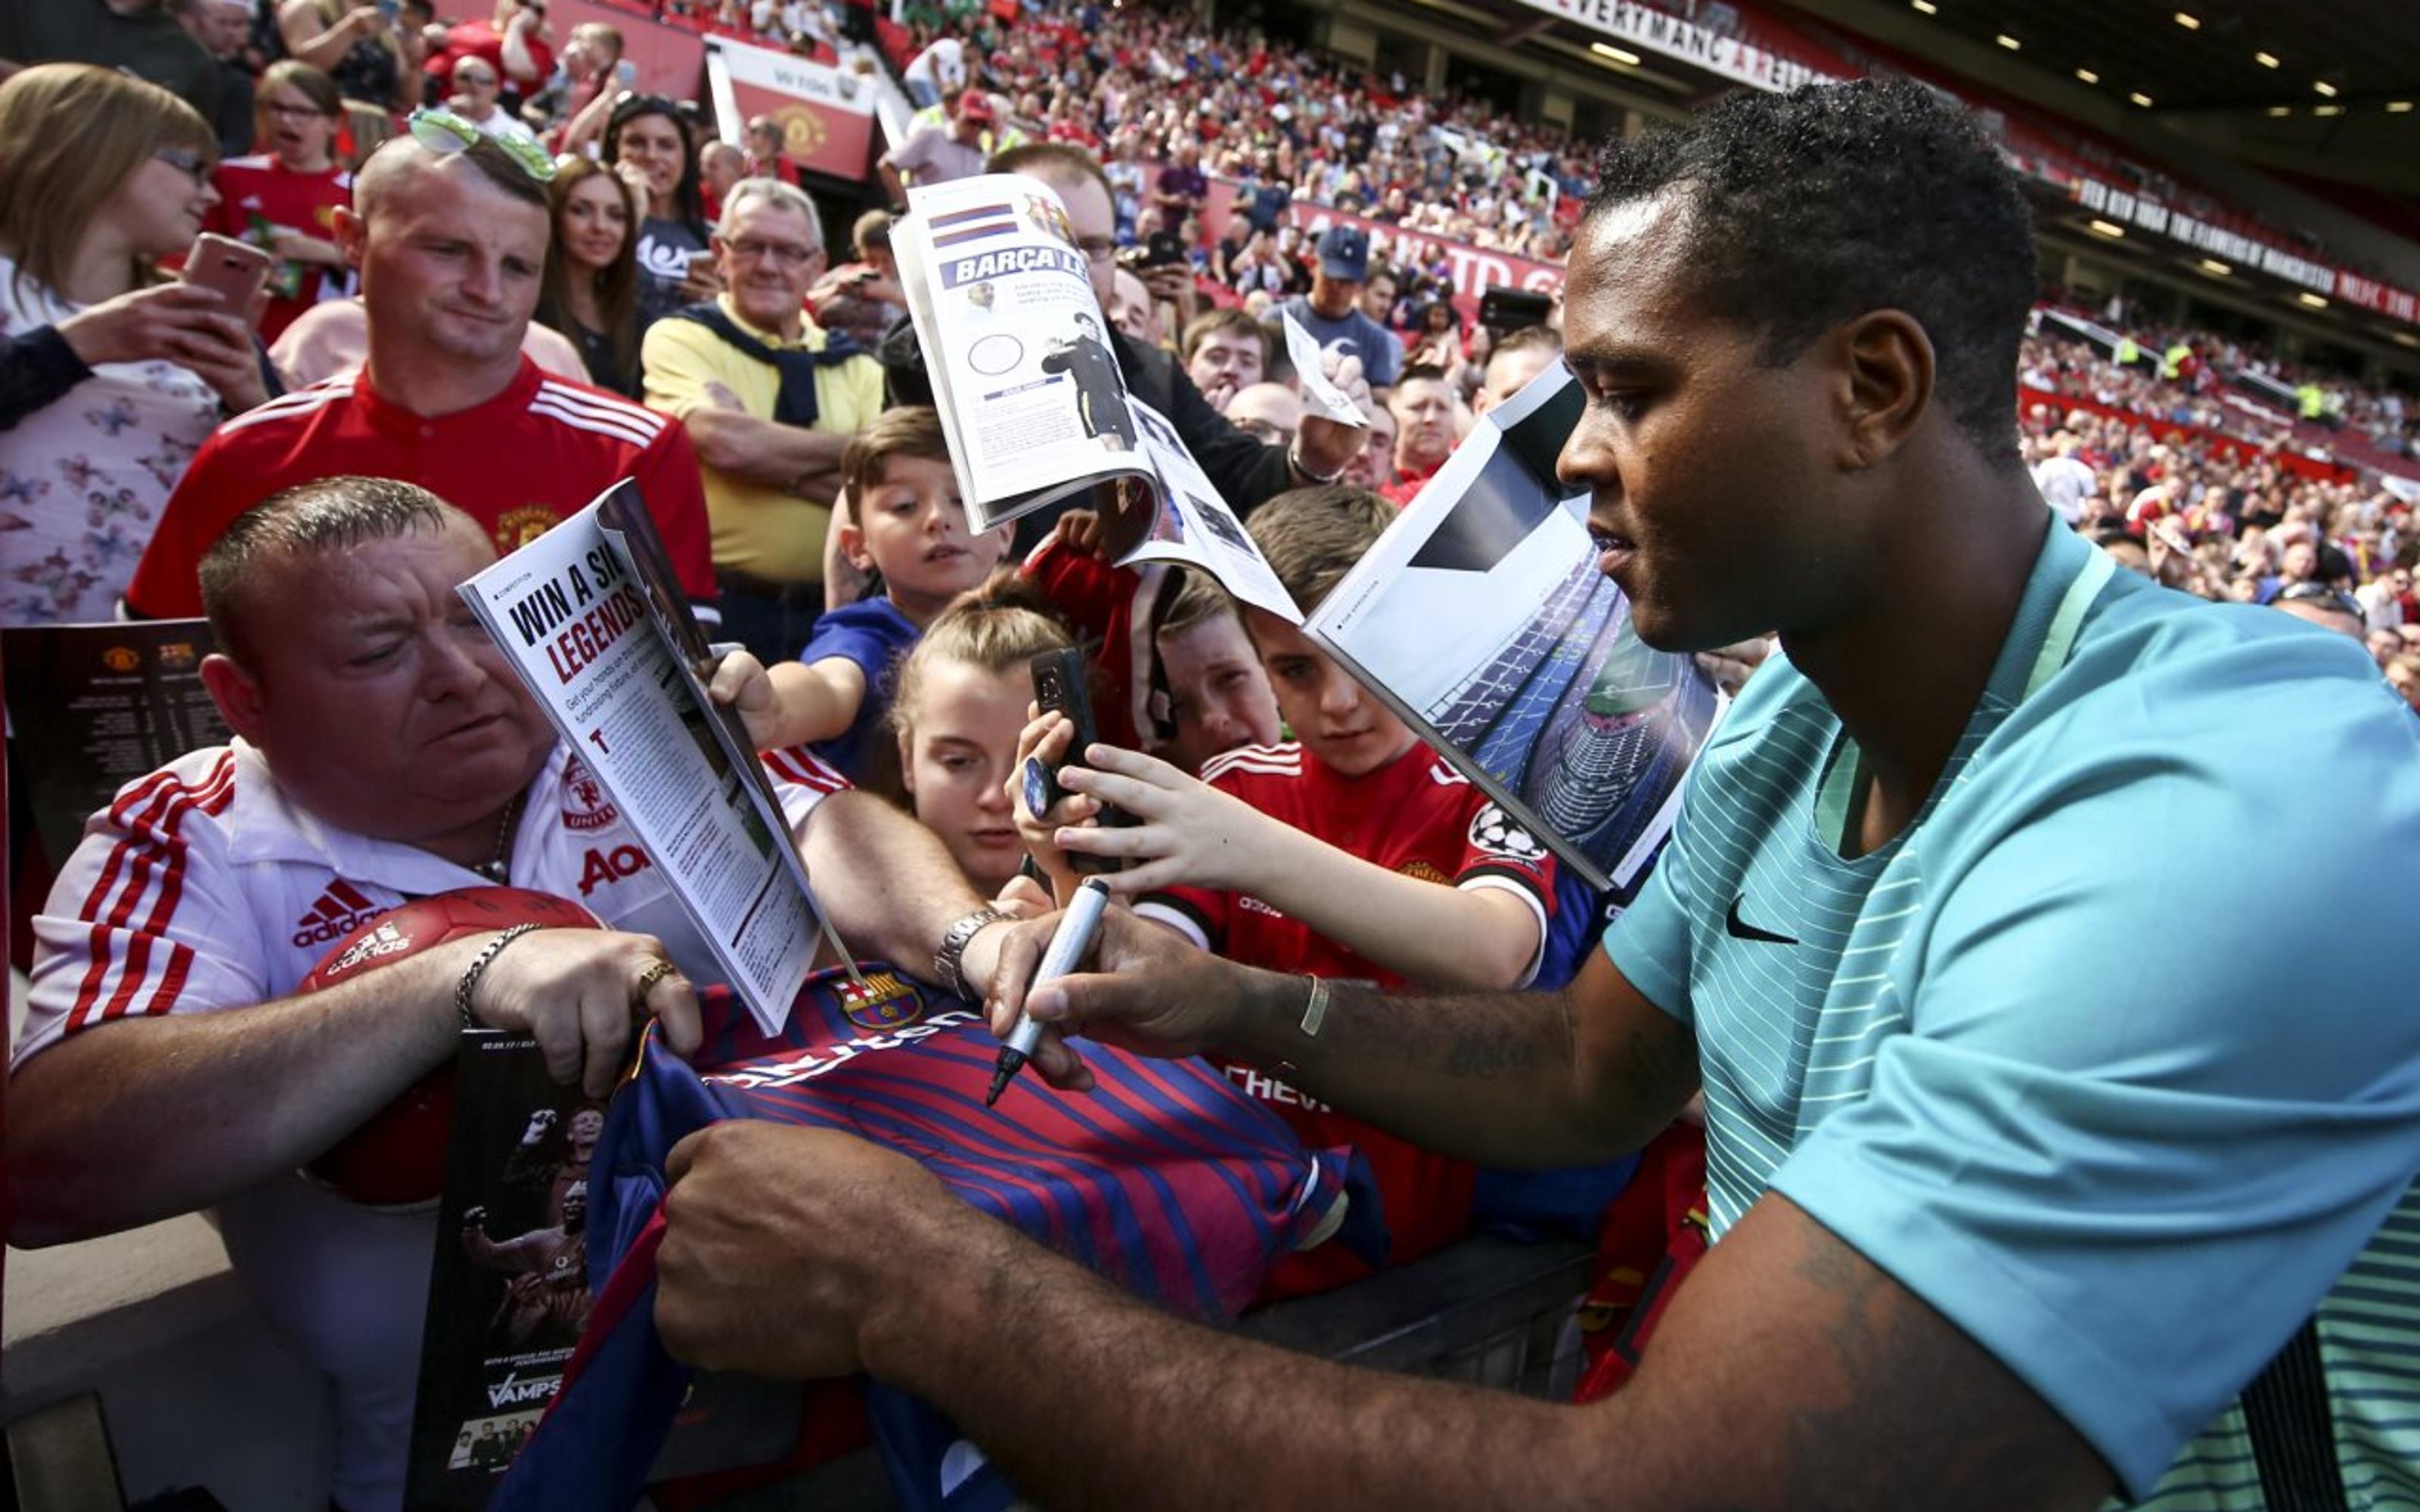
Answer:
(657, 971)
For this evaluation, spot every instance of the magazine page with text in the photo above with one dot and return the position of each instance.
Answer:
(1030, 392)
(578, 622)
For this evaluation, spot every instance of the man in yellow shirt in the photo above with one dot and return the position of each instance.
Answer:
(769, 400)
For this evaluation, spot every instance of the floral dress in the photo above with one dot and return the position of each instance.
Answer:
(82, 481)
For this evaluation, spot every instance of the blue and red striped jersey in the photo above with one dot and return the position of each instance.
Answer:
(1164, 1179)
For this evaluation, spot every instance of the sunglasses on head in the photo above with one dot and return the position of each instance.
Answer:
(443, 131)
(2321, 594)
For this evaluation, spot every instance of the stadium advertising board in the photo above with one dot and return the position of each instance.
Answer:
(1658, 31)
(1473, 269)
(2149, 215)
(826, 114)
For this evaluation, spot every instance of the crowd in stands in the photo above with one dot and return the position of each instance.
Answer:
(500, 275)
(2193, 378)
(2245, 529)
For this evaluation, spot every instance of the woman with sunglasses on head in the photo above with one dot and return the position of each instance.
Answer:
(651, 146)
(590, 292)
(284, 198)
(109, 378)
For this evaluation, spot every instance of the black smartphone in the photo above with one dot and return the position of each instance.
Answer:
(1062, 685)
(1165, 247)
(1503, 310)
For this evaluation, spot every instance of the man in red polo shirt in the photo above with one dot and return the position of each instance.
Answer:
(1423, 408)
(450, 246)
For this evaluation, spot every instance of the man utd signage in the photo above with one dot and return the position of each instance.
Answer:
(826, 114)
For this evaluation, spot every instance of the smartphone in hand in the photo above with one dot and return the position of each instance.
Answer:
(235, 271)
(1062, 685)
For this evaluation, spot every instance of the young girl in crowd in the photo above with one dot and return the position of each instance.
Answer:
(648, 143)
(590, 292)
(961, 701)
(109, 378)
(284, 198)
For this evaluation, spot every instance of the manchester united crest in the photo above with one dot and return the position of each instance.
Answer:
(585, 806)
(518, 528)
(802, 133)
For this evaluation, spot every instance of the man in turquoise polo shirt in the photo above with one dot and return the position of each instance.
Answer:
(2030, 929)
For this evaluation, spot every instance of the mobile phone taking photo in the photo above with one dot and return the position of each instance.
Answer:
(1062, 685)
(234, 270)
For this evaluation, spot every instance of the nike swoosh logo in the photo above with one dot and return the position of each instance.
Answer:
(1741, 930)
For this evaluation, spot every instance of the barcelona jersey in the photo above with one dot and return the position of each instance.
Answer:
(1166, 1178)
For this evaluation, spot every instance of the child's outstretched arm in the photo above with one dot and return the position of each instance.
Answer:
(793, 704)
(1187, 833)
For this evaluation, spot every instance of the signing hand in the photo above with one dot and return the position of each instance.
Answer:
(817, 1224)
(1327, 445)
(1148, 992)
(577, 992)
(1185, 832)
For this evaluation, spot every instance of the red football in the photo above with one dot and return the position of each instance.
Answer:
(399, 1157)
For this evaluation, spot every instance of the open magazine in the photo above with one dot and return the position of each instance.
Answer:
(1481, 618)
(1028, 388)
(593, 618)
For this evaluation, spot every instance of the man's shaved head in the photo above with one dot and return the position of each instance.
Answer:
(401, 158)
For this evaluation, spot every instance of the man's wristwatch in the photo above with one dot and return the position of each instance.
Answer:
(949, 961)
(1302, 468)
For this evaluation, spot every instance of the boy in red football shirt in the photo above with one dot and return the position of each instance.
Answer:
(1353, 852)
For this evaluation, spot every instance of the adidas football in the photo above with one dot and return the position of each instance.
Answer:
(399, 1157)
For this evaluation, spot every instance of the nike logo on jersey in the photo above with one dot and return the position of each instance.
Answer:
(1740, 929)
